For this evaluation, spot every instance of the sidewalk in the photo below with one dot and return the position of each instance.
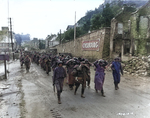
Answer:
(10, 91)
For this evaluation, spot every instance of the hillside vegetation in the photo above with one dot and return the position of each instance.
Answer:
(99, 18)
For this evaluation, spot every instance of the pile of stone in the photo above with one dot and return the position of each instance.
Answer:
(137, 66)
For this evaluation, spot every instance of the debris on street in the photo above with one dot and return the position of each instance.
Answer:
(137, 66)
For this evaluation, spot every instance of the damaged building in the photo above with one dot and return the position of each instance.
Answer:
(130, 33)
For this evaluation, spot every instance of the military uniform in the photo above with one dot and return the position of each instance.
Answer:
(58, 79)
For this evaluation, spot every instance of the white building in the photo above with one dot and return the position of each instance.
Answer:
(50, 42)
(5, 40)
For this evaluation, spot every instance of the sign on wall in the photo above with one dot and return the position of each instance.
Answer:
(4, 57)
(91, 45)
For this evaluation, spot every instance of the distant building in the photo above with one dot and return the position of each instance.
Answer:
(34, 43)
(72, 26)
(51, 41)
(5, 29)
(21, 38)
(5, 40)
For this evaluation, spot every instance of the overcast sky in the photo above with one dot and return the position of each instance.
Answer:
(40, 18)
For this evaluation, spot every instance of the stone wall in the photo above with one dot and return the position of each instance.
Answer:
(75, 47)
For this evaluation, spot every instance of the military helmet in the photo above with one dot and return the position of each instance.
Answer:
(60, 62)
(117, 58)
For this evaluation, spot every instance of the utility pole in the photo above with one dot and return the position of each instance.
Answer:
(75, 27)
(5, 66)
(74, 31)
(60, 36)
(11, 37)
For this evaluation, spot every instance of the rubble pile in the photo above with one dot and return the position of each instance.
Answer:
(137, 66)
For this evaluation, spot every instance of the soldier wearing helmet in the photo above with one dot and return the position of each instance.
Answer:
(58, 79)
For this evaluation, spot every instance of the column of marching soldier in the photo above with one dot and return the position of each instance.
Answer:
(74, 70)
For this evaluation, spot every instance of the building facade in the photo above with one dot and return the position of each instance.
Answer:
(5, 40)
(130, 33)
(51, 41)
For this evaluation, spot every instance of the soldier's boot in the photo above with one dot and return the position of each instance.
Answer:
(76, 88)
(59, 100)
(116, 86)
(82, 92)
(102, 92)
(88, 84)
(28, 70)
(71, 87)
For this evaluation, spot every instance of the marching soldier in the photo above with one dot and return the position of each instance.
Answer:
(48, 65)
(21, 60)
(58, 79)
(27, 61)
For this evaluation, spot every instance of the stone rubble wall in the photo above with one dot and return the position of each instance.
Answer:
(137, 66)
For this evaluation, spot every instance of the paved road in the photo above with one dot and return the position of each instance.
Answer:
(132, 100)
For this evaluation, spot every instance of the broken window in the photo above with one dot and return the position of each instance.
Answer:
(143, 23)
(120, 28)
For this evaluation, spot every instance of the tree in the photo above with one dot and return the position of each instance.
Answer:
(69, 35)
(41, 44)
(102, 19)
(86, 27)
(107, 15)
(96, 22)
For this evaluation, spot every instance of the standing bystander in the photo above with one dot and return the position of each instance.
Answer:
(116, 68)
